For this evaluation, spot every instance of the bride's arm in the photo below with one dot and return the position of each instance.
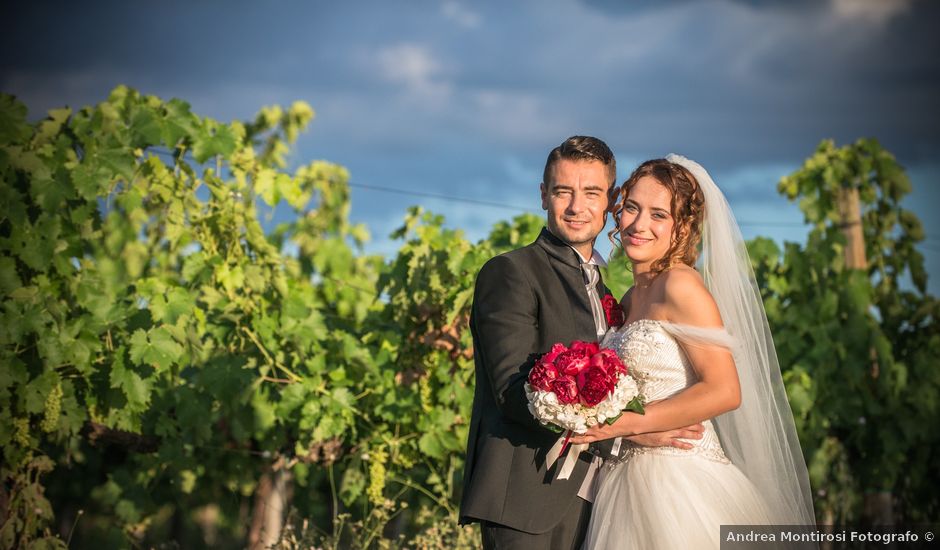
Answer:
(668, 438)
(718, 390)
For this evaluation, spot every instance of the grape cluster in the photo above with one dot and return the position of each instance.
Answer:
(50, 420)
(424, 390)
(377, 472)
(21, 432)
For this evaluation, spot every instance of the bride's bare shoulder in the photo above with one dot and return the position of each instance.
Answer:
(687, 299)
(682, 281)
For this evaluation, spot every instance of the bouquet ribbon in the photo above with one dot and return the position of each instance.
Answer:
(571, 459)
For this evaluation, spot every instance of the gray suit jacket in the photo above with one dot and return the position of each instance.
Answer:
(524, 302)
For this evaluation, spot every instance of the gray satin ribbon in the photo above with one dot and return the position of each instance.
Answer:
(591, 277)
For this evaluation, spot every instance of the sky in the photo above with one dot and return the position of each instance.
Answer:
(465, 99)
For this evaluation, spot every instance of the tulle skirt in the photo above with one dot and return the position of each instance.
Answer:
(654, 502)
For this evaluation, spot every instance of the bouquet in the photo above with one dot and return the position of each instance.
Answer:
(573, 388)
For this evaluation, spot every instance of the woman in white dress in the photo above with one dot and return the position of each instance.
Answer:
(699, 345)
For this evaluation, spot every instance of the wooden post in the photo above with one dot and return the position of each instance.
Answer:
(851, 213)
(879, 506)
(272, 499)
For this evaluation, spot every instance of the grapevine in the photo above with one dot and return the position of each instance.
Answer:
(168, 355)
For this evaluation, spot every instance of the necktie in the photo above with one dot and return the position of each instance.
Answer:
(609, 447)
(591, 278)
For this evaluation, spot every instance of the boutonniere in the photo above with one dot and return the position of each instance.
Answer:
(612, 311)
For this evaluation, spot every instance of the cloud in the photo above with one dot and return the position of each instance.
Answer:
(42, 92)
(620, 8)
(516, 116)
(459, 14)
(877, 12)
(415, 68)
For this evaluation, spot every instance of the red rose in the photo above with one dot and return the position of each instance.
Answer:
(571, 362)
(594, 391)
(602, 364)
(610, 361)
(542, 375)
(556, 350)
(587, 348)
(593, 372)
(608, 354)
(612, 311)
(597, 360)
(566, 389)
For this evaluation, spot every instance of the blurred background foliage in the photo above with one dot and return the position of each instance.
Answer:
(173, 372)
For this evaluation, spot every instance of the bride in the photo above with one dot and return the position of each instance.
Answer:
(700, 347)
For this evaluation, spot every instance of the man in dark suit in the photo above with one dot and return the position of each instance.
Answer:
(524, 302)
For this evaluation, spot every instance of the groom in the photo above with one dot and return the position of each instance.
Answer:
(524, 302)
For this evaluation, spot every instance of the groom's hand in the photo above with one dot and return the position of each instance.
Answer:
(671, 438)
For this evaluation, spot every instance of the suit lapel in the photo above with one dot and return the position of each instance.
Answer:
(558, 249)
(567, 266)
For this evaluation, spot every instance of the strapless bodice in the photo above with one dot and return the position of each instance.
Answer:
(662, 369)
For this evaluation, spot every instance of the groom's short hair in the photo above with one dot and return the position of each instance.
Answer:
(582, 148)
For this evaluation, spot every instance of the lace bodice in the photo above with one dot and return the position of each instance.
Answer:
(662, 370)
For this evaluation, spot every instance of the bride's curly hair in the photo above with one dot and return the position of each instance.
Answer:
(687, 209)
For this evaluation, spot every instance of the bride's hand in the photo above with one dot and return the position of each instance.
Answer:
(668, 438)
(602, 431)
(621, 428)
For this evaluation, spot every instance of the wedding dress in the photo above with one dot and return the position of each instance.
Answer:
(748, 468)
(666, 497)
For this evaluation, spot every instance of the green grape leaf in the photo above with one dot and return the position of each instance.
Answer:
(13, 127)
(177, 123)
(168, 309)
(9, 279)
(430, 444)
(157, 348)
(164, 350)
(37, 390)
(352, 486)
(213, 139)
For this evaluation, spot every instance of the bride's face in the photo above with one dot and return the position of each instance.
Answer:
(646, 222)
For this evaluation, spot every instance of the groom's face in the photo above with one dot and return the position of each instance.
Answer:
(575, 198)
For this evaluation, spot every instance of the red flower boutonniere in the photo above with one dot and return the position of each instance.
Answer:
(612, 311)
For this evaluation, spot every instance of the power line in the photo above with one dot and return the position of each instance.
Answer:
(479, 202)
(771, 224)
(371, 292)
(167, 153)
(442, 197)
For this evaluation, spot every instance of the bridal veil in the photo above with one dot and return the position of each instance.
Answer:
(759, 436)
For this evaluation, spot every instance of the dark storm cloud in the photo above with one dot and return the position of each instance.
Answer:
(765, 80)
(775, 80)
(174, 48)
(466, 98)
